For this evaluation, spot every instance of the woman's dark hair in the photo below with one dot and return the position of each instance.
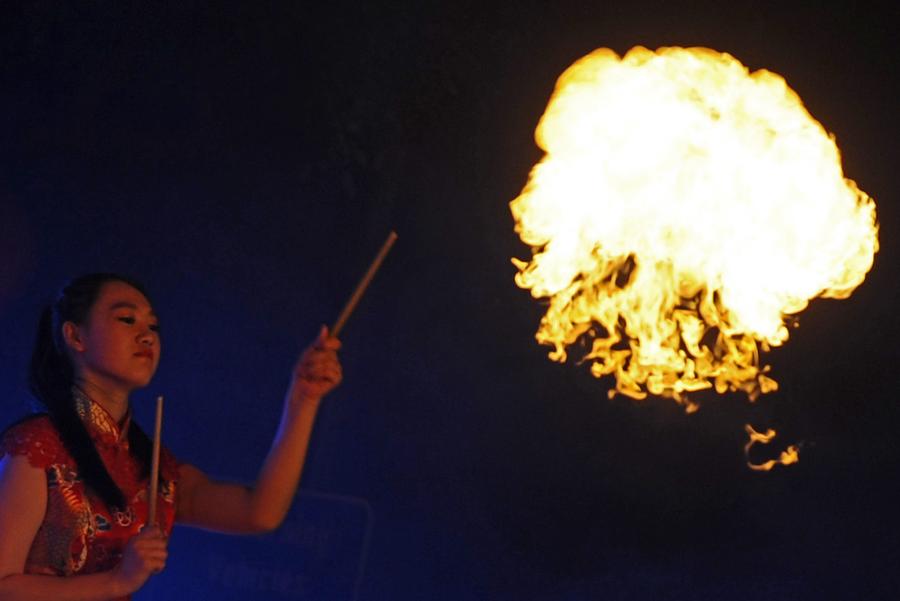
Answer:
(51, 377)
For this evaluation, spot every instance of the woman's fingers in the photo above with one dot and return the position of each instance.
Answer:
(331, 344)
(316, 363)
(320, 373)
(144, 555)
(325, 341)
(318, 369)
(153, 555)
(150, 539)
(151, 546)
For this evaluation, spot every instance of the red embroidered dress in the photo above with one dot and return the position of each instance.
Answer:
(79, 534)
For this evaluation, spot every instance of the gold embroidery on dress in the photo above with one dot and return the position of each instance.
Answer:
(97, 419)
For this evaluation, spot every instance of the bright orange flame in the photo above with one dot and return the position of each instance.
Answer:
(684, 207)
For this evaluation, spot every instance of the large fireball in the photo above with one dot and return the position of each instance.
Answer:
(684, 208)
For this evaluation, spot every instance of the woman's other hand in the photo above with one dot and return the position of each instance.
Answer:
(144, 556)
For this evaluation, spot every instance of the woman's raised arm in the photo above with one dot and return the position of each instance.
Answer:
(233, 508)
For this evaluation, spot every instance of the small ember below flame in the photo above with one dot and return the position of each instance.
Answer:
(683, 209)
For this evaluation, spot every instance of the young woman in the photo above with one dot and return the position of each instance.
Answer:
(74, 480)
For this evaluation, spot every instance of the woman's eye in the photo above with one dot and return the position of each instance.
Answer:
(131, 321)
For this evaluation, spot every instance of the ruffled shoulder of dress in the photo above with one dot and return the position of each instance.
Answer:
(35, 438)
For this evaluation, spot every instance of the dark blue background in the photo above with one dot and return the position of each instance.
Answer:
(246, 160)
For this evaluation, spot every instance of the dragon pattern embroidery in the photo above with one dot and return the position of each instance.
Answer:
(79, 534)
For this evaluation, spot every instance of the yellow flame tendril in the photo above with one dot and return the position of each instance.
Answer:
(684, 207)
(787, 457)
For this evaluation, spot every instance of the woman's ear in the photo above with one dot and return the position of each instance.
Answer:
(72, 336)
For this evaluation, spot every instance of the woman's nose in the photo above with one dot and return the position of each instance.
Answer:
(147, 337)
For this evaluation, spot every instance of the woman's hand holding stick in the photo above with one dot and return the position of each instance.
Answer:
(315, 374)
(144, 555)
(262, 507)
(317, 371)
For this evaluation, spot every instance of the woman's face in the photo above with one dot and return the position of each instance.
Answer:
(118, 345)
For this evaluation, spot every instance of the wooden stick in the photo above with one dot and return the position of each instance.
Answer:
(154, 468)
(361, 287)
